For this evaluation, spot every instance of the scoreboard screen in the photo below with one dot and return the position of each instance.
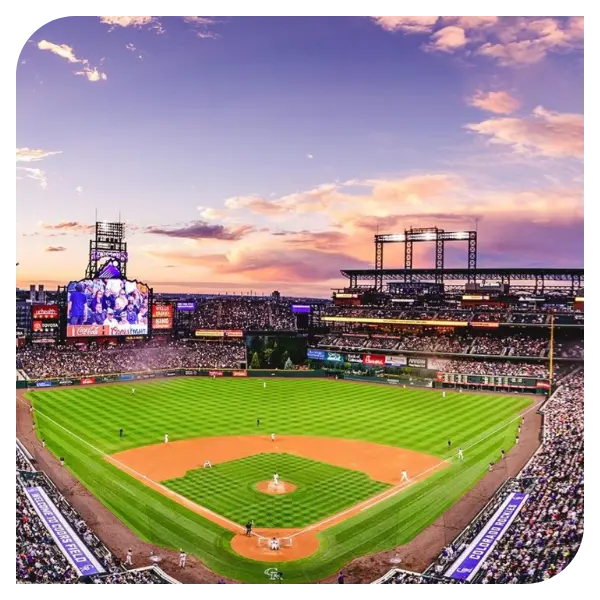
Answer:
(493, 380)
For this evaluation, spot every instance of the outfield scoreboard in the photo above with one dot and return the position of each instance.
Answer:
(493, 381)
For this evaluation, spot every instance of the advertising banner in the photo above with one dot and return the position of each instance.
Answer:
(126, 377)
(543, 384)
(419, 363)
(106, 330)
(300, 308)
(354, 358)
(395, 361)
(437, 364)
(334, 357)
(162, 316)
(209, 333)
(44, 327)
(235, 333)
(109, 378)
(215, 373)
(75, 551)
(87, 380)
(45, 312)
(170, 373)
(43, 383)
(469, 562)
(315, 354)
(65, 382)
(190, 372)
(186, 306)
(239, 373)
(375, 360)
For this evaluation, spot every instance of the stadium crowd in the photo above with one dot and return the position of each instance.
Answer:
(46, 362)
(547, 533)
(38, 557)
(244, 313)
(496, 368)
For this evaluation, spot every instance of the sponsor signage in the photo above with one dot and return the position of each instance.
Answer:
(126, 377)
(240, 373)
(393, 381)
(484, 324)
(354, 358)
(87, 380)
(470, 561)
(162, 316)
(375, 321)
(300, 308)
(437, 364)
(105, 330)
(334, 357)
(186, 306)
(43, 327)
(236, 333)
(543, 384)
(395, 361)
(231, 333)
(419, 363)
(215, 373)
(65, 382)
(374, 360)
(190, 372)
(20, 332)
(315, 354)
(45, 312)
(346, 295)
(75, 551)
(475, 297)
(170, 374)
(43, 383)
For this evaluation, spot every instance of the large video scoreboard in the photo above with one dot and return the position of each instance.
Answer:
(493, 380)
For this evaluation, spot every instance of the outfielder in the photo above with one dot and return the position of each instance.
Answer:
(272, 437)
(461, 455)
(443, 394)
(128, 560)
(182, 557)
(133, 391)
(264, 384)
(404, 477)
(166, 438)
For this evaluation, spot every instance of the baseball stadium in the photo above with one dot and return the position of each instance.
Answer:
(406, 430)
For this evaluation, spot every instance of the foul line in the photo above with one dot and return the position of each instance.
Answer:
(387, 494)
(366, 504)
(125, 467)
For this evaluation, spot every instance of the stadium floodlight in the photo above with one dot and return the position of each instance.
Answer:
(461, 235)
(391, 237)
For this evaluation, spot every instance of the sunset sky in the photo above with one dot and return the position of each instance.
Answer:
(264, 153)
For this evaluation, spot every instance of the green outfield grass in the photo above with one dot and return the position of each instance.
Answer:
(82, 423)
(230, 490)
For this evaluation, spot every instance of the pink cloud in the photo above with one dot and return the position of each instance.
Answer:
(546, 133)
(501, 103)
(448, 39)
(201, 230)
(406, 24)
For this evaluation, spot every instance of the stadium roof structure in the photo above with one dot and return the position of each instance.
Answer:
(539, 276)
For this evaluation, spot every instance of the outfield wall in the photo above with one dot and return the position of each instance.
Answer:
(147, 375)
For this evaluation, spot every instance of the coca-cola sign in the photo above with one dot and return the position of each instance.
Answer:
(377, 360)
(216, 373)
(239, 373)
(45, 312)
(87, 380)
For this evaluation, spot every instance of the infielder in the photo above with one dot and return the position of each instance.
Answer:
(404, 477)
(276, 479)
(182, 557)
(272, 437)
(128, 558)
(207, 464)
(461, 455)
(166, 438)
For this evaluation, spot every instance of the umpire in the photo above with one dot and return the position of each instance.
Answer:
(249, 528)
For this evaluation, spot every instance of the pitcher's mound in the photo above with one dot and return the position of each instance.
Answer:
(268, 487)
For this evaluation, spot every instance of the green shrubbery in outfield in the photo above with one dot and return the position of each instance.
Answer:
(417, 419)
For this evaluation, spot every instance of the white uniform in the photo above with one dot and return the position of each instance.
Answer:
(128, 558)
(274, 544)
(276, 479)
(272, 437)
(460, 454)
(182, 557)
(133, 391)
(264, 384)
(443, 394)
(404, 476)
(207, 464)
(166, 438)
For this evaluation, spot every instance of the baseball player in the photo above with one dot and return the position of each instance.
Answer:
(182, 557)
(449, 444)
(264, 384)
(276, 479)
(166, 438)
(121, 432)
(258, 422)
(128, 558)
(404, 477)
(43, 442)
(517, 440)
(443, 394)
(502, 453)
(272, 437)
(133, 391)
(207, 464)
(461, 455)
(274, 544)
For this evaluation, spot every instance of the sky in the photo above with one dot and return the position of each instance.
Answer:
(264, 153)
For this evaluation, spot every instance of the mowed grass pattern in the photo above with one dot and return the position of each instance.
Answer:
(229, 489)
(414, 418)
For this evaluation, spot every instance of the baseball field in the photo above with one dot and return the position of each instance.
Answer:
(339, 450)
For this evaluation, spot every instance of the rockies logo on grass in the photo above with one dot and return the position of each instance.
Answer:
(273, 574)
